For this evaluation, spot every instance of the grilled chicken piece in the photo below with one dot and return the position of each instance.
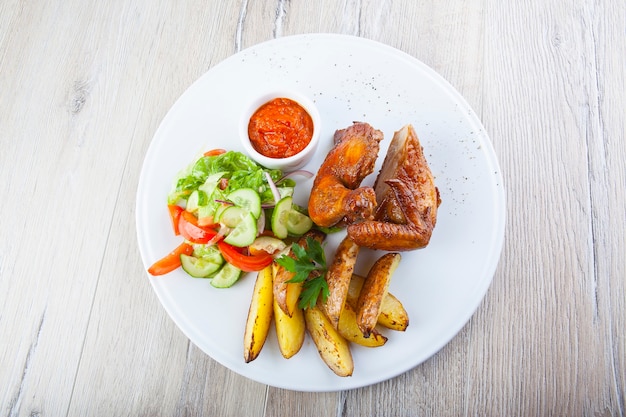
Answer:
(336, 196)
(407, 199)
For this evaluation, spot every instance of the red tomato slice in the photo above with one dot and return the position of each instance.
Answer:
(214, 152)
(171, 261)
(189, 229)
(248, 263)
(175, 212)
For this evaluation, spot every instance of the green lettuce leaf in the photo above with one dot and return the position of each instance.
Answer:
(241, 172)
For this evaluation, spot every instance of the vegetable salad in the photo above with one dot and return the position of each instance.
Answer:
(234, 216)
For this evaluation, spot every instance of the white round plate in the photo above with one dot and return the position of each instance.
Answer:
(350, 79)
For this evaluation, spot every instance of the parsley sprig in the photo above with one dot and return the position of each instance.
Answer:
(309, 265)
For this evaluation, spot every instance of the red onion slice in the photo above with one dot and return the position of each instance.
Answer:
(299, 172)
(275, 192)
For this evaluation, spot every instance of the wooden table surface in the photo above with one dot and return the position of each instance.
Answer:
(83, 88)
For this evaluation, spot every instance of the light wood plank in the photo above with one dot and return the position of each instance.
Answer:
(132, 346)
(55, 244)
(608, 201)
(556, 352)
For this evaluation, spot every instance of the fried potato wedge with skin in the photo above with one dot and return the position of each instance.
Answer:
(286, 293)
(332, 347)
(392, 313)
(338, 277)
(374, 290)
(351, 332)
(259, 315)
(290, 331)
(354, 289)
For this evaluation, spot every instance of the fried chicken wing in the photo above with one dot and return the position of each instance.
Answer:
(407, 199)
(336, 196)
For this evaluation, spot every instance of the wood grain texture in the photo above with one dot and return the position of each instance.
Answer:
(85, 86)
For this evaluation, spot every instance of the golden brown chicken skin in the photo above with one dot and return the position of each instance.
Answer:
(336, 196)
(407, 199)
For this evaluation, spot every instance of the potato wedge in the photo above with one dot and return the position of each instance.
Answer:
(290, 331)
(348, 328)
(392, 313)
(259, 315)
(374, 290)
(286, 293)
(354, 289)
(338, 277)
(332, 347)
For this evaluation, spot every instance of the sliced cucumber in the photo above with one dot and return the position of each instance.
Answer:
(198, 268)
(226, 276)
(221, 208)
(248, 199)
(244, 232)
(208, 253)
(196, 199)
(298, 223)
(280, 216)
(232, 216)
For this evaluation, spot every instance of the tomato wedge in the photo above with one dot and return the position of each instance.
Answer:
(215, 152)
(248, 263)
(171, 261)
(175, 212)
(189, 229)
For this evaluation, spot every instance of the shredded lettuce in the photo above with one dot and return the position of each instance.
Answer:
(241, 172)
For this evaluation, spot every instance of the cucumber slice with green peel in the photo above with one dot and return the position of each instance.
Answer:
(221, 208)
(248, 199)
(199, 268)
(280, 217)
(232, 216)
(196, 199)
(298, 223)
(244, 232)
(226, 276)
(208, 253)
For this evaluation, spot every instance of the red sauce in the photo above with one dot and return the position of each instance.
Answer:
(280, 128)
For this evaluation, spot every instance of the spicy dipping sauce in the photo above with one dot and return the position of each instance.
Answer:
(280, 128)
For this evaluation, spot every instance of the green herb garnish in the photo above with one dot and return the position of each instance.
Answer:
(309, 266)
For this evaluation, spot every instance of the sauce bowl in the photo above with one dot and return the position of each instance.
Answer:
(289, 163)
